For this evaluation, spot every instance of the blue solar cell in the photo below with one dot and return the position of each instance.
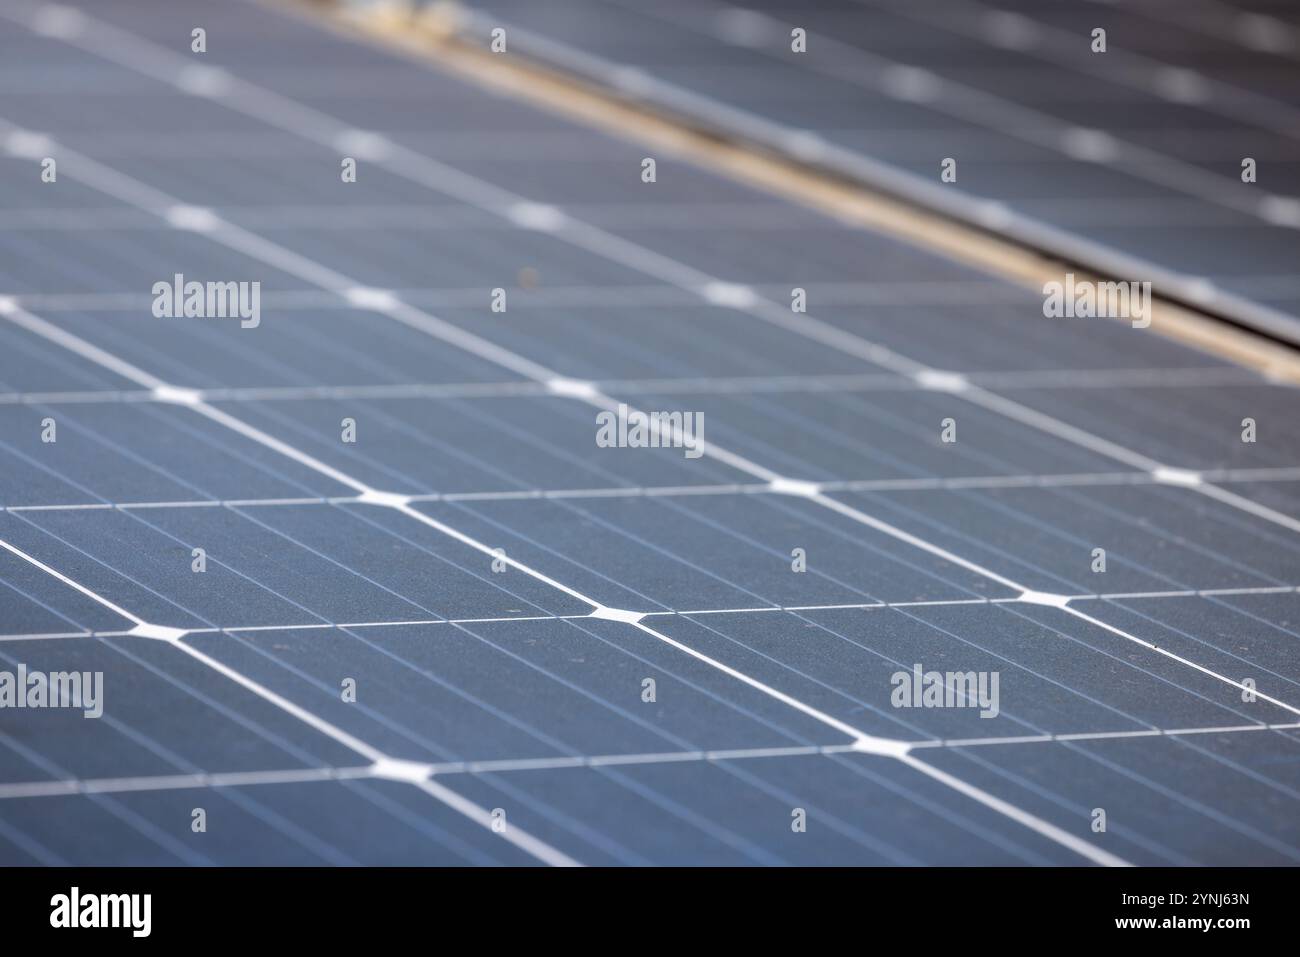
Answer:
(364, 583)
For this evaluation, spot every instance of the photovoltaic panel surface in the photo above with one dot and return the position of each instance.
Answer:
(364, 588)
(1156, 139)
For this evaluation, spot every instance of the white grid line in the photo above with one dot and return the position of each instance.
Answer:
(973, 482)
(1202, 377)
(684, 613)
(700, 217)
(932, 292)
(222, 779)
(937, 291)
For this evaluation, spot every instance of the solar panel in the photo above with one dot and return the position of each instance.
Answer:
(911, 575)
(1151, 140)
